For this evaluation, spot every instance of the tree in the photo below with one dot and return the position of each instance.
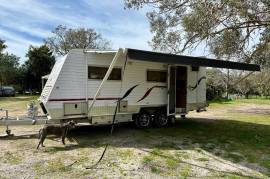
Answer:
(243, 83)
(237, 28)
(65, 39)
(8, 66)
(40, 62)
(2, 45)
(215, 84)
(262, 81)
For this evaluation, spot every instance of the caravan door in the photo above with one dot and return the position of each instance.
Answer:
(181, 89)
(171, 90)
(177, 90)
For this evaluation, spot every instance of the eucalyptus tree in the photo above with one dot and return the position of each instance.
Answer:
(65, 39)
(234, 29)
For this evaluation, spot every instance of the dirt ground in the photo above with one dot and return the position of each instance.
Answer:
(227, 141)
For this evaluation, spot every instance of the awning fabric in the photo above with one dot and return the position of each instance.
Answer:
(150, 56)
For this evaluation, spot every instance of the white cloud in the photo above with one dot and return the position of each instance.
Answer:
(10, 36)
(34, 9)
(27, 29)
(17, 44)
(25, 20)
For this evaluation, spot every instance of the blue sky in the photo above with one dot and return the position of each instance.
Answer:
(29, 22)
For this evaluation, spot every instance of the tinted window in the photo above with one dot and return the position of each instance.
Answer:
(156, 76)
(99, 73)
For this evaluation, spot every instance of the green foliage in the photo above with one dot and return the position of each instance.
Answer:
(262, 81)
(2, 45)
(65, 39)
(40, 62)
(9, 64)
(240, 83)
(234, 29)
(216, 83)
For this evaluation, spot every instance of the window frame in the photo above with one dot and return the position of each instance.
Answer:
(156, 70)
(103, 66)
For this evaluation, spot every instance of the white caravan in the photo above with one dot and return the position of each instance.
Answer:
(85, 85)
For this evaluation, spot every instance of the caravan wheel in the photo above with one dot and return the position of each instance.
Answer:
(161, 119)
(143, 120)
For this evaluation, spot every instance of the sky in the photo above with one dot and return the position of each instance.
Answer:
(29, 22)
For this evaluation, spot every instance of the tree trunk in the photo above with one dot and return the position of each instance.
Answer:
(227, 84)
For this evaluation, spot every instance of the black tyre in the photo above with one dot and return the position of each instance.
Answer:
(161, 119)
(143, 120)
(183, 116)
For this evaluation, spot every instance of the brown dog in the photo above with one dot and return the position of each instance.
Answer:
(59, 130)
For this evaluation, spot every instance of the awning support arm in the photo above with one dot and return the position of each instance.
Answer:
(116, 57)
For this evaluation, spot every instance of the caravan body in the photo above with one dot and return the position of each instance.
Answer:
(145, 86)
(75, 79)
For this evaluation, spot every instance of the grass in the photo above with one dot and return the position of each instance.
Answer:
(243, 133)
(239, 101)
(18, 101)
(155, 169)
(203, 159)
(242, 138)
(172, 163)
(12, 158)
(185, 171)
(235, 157)
(125, 155)
(52, 166)
(17, 105)
(148, 159)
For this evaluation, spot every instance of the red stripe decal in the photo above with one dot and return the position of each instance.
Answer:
(82, 99)
(149, 91)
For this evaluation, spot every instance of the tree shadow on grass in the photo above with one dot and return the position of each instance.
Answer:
(193, 130)
(235, 141)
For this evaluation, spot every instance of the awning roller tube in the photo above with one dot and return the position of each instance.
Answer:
(142, 55)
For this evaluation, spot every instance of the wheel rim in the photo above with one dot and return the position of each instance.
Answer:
(144, 120)
(163, 120)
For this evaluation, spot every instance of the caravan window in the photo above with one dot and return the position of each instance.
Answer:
(156, 76)
(99, 73)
